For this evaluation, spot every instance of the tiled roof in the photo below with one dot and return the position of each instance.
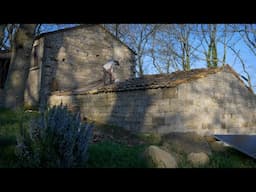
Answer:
(158, 81)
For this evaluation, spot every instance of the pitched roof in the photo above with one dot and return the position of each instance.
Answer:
(83, 26)
(159, 80)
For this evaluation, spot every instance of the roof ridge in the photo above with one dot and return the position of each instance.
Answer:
(233, 72)
(81, 26)
(154, 81)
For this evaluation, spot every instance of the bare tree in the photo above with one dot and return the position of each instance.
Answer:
(19, 38)
(7, 33)
(168, 45)
(183, 37)
(185, 44)
(250, 37)
(248, 34)
(118, 30)
(209, 44)
(163, 49)
(19, 66)
(238, 55)
(2, 35)
(137, 37)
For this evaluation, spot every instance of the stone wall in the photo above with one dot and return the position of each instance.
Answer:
(31, 96)
(73, 59)
(216, 104)
(78, 56)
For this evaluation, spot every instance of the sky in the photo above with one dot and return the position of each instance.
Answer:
(246, 54)
(231, 59)
(248, 57)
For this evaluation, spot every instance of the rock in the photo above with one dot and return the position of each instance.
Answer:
(198, 158)
(159, 158)
(217, 146)
(210, 139)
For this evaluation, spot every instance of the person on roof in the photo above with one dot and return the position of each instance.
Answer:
(109, 72)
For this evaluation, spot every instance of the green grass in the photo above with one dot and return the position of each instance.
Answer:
(115, 155)
(123, 150)
(227, 159)
(10, 122)
(231, 159)
(7, 156)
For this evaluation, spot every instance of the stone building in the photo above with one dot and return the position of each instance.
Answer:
(70, 59)
(66, 67)
(206, 101)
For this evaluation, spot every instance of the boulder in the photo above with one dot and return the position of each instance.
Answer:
(198, 158)
(210, 138)
(217, 146)
(159, 158)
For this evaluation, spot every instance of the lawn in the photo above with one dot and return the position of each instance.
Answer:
(108, 154)
(10, 121)
(117, 149)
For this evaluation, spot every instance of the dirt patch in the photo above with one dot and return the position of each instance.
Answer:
(186, 143)
(177, 143)
(117, 134)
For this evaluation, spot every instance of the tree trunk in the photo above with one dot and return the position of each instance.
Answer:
(214, 56)
(117, 30)
(19, 66)
(2, 28)
(208, 56)
(214, 49)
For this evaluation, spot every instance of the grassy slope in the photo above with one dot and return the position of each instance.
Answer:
(108, 154)
(10, 122)
(119, 149)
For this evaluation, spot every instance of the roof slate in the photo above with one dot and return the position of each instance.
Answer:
(158, 81)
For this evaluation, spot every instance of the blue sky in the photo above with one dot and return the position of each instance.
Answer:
(248, 57)
(245, 53)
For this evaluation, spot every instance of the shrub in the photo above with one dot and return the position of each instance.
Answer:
(57, 138)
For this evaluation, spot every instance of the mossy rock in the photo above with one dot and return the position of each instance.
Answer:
(158, 158)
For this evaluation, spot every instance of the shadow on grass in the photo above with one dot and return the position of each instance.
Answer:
(10, 122)
(230, 159)
(7, 152)
(115, 155)
(6, 141)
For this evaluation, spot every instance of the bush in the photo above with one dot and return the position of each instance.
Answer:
(56, 138)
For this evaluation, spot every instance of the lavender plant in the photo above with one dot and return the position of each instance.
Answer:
(57, 138)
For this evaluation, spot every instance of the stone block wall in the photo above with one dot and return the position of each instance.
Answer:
(73, 59)
(216, 104)
(31, 96)
(78, 56)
